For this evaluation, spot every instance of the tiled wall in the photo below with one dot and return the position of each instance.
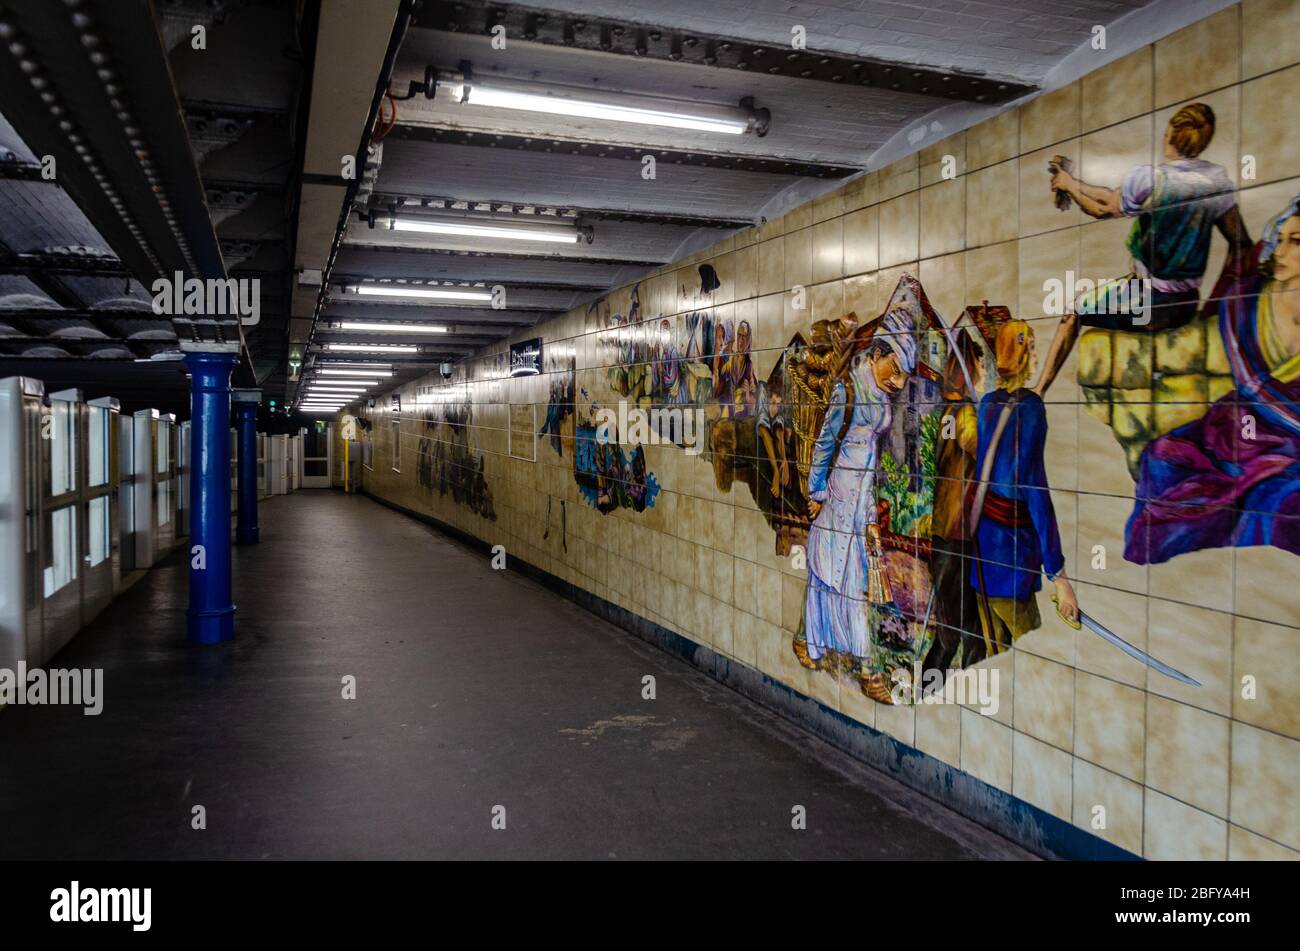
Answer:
(691, 542)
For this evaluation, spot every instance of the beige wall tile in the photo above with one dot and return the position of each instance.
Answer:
(944, 280)
(1048, 257)
(938, 731)
(1201, 577)
(1050, 118)
(1044, 699)
(828, 250)
(1110, 725)
(1187, 754)
(1246, 846)
(1175, 831)
(1198, 58)
(986, 749)
(1270, 36)
(899, 221)
(1043, 775)
(943, 218)
(993, 204)
(860, 295)
(1265, 131)
(993, 274)
(771, 266)
(798, 258)
(1265, 585)
(947, 157)
(994, 140)
(1101, 523)
(1270, 654)
(1265, 776)
(1119, 90)
(861, 191)
(861, 241)
(899, 721)
(1119, 798)
(898, 178)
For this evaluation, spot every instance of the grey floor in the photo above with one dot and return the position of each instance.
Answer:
(475, 689)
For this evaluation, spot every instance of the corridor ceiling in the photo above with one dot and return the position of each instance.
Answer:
(231, 159)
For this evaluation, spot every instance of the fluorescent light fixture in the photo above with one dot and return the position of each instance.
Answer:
(358, 386)
(485, 228)
(373, 347)
(333, 365)
(361, 370)
(585, 103)
(432, 293)
(393, 328)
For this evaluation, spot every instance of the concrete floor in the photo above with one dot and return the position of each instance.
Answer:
(475, 688)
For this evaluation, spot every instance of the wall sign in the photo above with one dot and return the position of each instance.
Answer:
(526, 357)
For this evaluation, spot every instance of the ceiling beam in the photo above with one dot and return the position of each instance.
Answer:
(382, 201)
(459, 315)
(596, 149)
(643, 41)
(560, 259)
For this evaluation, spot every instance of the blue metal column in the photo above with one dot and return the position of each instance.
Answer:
(211, 613)
(245, 405)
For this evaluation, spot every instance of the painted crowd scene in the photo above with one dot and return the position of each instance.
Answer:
(899, 456)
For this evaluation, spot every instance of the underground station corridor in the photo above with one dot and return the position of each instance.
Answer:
(583, 431)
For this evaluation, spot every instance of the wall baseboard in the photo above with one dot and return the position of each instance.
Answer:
(1032, 828)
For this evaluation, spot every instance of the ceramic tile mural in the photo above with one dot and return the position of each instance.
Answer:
(1041, 418)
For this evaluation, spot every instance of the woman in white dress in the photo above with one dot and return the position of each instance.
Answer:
(841, 489)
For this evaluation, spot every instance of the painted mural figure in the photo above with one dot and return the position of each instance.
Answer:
(1178, 204)
(734, 384)
(812, 376)
(1232, 477)
(1017, 535)
(955, 608)
(616, 372)
(606, 478)
(776, 485)
(669, 385)
(844, 549)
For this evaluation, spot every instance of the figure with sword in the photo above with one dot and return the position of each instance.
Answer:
(1013, 524)
(1012, 521)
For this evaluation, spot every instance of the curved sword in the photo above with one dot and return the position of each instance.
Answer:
(1136, 653)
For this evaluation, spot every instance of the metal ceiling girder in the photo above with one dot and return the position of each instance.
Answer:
(63, 265)
(59, 313)
(384, 199)
(346, 277)
(104, 64)
(626, 37)
(506, 255)
(336, 310)
(589, 148)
